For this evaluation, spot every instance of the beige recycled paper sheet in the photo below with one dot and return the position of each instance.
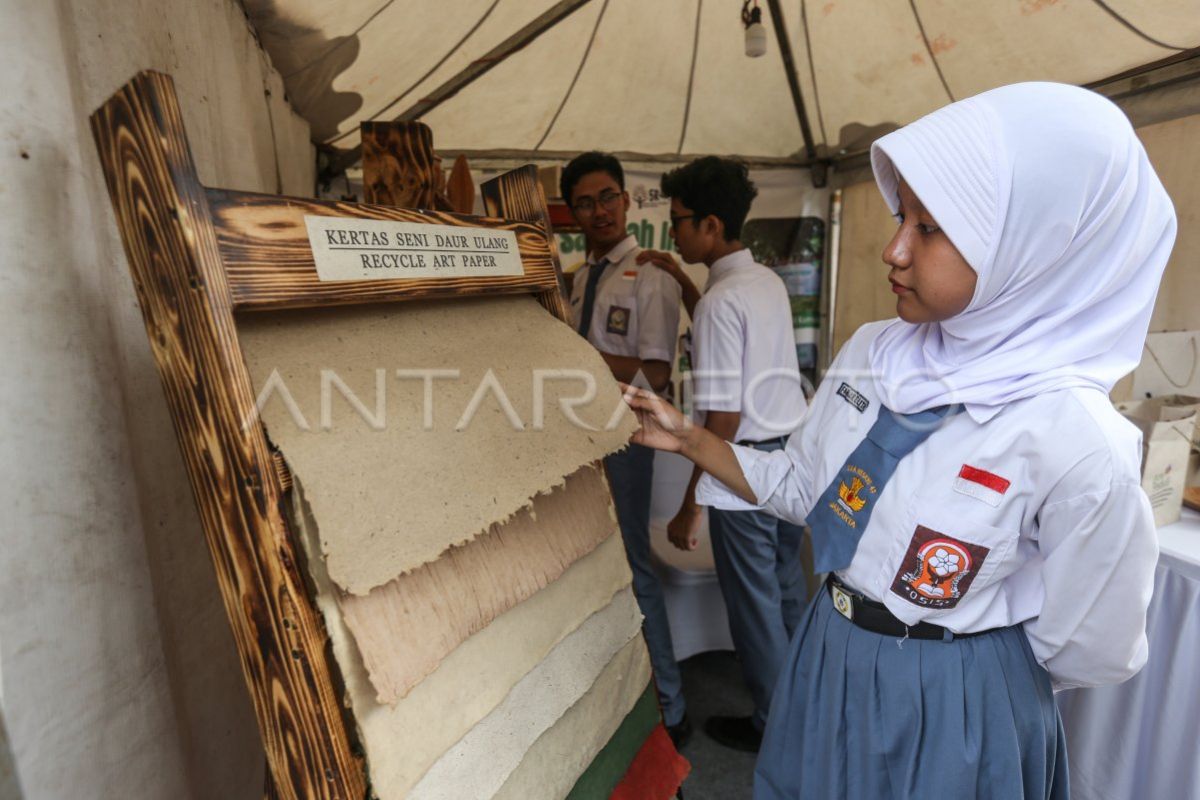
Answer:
(560, 755)
(404, 628)
(479, 764)
(463, 411)
(403, 741)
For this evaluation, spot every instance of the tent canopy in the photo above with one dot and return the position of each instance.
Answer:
(670, 76)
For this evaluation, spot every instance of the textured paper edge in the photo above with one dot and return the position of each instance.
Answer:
(420, 597)
(470, 682)
(561, 755)
(482, 760)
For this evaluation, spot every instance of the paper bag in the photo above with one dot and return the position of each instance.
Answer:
(1168, 426)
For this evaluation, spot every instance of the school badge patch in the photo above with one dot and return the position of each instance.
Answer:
(937, 569)
(618, 320)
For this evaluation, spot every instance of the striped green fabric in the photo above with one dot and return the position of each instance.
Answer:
(610, 764)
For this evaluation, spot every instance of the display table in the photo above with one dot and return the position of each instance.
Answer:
(1142, 738)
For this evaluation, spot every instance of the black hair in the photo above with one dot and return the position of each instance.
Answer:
(717, 186)
(585, 164)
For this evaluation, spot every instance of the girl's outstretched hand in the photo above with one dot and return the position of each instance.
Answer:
(662, 426)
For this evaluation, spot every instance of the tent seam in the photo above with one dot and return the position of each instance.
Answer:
(1113, 13)
(687, 105)
(587, 51)
(471, 32)
(929, 49)
(345, 39)
(812, 71)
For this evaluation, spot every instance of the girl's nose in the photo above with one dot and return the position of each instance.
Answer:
(898, 252)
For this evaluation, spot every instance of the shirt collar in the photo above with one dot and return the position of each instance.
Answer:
(617, 253)
(725, 265)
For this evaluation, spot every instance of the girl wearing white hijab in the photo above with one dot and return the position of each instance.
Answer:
(969, 486)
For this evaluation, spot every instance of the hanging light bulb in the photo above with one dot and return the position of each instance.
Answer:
(756, 34)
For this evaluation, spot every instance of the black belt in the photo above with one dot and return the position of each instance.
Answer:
(875, 617)
(779, 440)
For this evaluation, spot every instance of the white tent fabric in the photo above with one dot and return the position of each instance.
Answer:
(615, 74)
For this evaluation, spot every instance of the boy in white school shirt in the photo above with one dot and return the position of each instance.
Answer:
(630, 313)
(747, 384)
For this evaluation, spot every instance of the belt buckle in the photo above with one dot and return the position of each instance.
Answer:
(842, 602)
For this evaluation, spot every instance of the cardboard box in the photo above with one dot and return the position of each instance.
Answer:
(1168, 426)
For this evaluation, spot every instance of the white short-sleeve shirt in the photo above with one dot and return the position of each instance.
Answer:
(636, 311)
(1041, 507)
(744, 349)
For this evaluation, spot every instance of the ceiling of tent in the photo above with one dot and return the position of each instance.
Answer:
(671, 77)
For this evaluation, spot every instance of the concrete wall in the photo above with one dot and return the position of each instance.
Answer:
(118, 670)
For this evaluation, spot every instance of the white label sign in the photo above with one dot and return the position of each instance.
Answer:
(347, 249)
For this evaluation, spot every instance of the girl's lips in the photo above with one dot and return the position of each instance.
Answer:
(898, 289)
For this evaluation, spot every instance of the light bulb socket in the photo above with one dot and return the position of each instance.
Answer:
(756, 40)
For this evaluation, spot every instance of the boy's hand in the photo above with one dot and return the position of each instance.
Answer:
(661, 259)
(683, 531)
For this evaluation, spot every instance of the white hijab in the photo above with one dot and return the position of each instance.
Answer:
(1048, 195)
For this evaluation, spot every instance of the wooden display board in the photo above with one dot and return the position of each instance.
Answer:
(199, 256)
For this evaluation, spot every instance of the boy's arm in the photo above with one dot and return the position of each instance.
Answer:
(683, 529)
(667, 263)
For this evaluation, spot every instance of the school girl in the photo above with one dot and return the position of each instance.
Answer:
(969, 487)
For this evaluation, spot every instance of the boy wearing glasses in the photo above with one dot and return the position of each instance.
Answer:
(747, 385)
(630, 313)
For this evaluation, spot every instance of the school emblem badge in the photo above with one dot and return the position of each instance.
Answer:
(841, 601)
(618, 320)
(850, 496)
(937, 569)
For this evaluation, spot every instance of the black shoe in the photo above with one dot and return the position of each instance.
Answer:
(736, 732)
(680, 732)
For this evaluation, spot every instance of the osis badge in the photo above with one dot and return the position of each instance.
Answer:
(618, 320)
(937, 569)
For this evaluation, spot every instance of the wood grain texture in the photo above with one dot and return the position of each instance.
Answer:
(518, 195)
(165, 224)
(264, 244)
(405, 628)
(460, 188)
(400, 167)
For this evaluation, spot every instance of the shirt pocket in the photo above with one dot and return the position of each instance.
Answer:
(619, 318)
(947, 558)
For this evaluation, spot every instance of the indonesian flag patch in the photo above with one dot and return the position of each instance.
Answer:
(981, 484)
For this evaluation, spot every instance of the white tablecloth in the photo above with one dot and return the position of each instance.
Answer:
(1141, 739)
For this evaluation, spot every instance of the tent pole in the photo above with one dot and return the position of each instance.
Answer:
(789, 67)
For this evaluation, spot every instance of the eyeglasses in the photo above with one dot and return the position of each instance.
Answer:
(586, 206)
(675, 220)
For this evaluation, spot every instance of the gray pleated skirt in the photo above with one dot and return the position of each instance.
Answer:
(860, 716)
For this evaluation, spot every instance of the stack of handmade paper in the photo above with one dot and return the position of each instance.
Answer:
(464, 548)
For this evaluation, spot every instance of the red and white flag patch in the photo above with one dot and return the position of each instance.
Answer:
(981, 484)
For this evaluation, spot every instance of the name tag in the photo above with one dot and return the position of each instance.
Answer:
(853, 397)
(629, 275)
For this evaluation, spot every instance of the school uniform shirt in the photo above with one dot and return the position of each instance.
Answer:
(744, 349)
(1033, 516)
(636, 311)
